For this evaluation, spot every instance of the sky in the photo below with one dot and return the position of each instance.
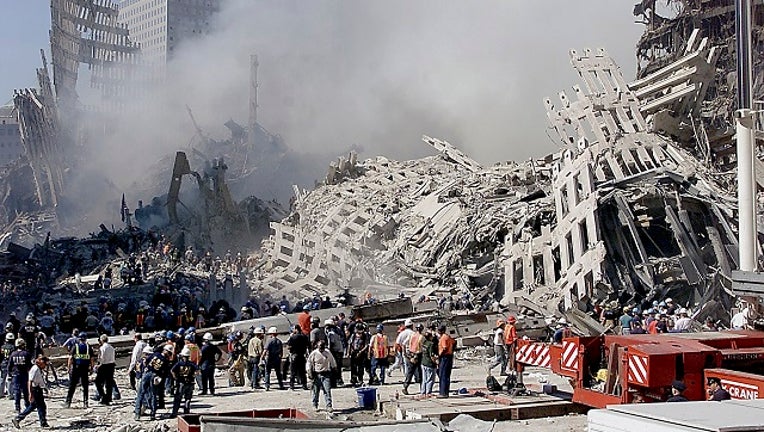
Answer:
(371, 74)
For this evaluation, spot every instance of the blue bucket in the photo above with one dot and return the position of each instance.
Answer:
(367, 397)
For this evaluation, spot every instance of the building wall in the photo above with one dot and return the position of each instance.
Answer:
(10, 139)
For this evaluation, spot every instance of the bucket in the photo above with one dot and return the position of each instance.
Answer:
(367, 397)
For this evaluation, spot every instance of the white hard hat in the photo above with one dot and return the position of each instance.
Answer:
(408, 322)
(259, 330)
(185, 352)
(329, 322)
(272, 330)
(207, 336)
(148, 350)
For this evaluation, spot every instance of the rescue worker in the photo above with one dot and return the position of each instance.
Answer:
(273, 352)
(429, 361)
(402, 340)
(18, 370)
(104, 380)
(144, 395)
(5, 358)
(319, 367)
(210, 355)
(562, 332)
(499, 349)
(378, 355)
(677, 388)
(157, 369)
(298, 344)
(510, 341)
(446, 345)
(715, 390)
(414, 358)
(37, 388)
(625, 321)
(237, 361)
(304, 320)
(183, 373)
(255, 353)
(135, 357)
(358, 349)
(336, 347)
(316, 332)
(80, 364)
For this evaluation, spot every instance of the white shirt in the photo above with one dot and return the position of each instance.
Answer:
(36, 377)
(739, 321)
(683, 324)
(404, 337)
(137, 353)
(498, 336)
(106, 355)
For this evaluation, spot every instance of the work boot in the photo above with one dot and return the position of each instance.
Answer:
(15, 422)
(137, 417)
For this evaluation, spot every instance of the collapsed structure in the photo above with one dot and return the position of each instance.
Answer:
(625, 211)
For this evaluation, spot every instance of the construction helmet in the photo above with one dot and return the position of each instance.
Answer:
(207, 336)
(148, 350)
(21, 343)
(259, 330)
(185, 352)
(511, 319)
(9, 337)
(272, 330)
(500, 322)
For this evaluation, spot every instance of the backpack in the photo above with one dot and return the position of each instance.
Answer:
(492, 384)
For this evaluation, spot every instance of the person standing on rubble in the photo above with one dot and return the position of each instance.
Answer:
(499, 349)
(238, 357)
(316, 332)
(358, 348)
(81, 361)
(336, 347)
(446, 345)
(104, 380)
(403, 340)
(303, 320)
(183, 373)
(510, 341)
(18, 370)
(157, 370)
(255, 354)
(210, 355)
(429, 361)
(378, 347)
(298, 344)
(5, 358)
(273, 352)
(414, 357)
(135, 358)
(319, 367)
(625, 321)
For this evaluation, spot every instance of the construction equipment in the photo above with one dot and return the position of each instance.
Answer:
(621, 369)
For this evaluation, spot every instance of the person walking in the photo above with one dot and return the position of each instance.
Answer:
(81, 361)
(446, 346)
(510, 341)
(157, 371)
(273, 351)
(5, 352)
(183, 373)
(210, 355)
(255, 354)
(36, 387)
(414, 358)
(18, 370)
(298, 344)
(144, 394)
(104, 379)
(378, 354)
(429, 362)
(319, 367)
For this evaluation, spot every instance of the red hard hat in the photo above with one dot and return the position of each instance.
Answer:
(511, 319)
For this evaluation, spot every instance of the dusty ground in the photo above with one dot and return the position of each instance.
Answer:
(467, 373)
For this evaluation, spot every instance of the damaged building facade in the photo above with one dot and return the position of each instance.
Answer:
(632, 209)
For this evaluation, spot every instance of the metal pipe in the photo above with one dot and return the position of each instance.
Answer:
(747, 231)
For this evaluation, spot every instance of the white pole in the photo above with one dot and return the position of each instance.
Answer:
(747, 231)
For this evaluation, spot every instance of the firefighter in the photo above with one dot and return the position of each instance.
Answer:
(18, 370)
(183, 373)
(510, 341)
(154, 374)
(81, 361)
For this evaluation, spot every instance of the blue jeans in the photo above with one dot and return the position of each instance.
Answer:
(39, 404)
(322, 382)
(20, 389)
(254, 365)
(145, 395)
(445, 364)
(428, 379)
(380, 363)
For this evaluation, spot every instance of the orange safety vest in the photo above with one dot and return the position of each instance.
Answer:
(139, 319)
(415, 343)
(196, 353)
(510, 334)
(379, 346)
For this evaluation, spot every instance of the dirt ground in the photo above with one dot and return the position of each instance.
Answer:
(469, 373)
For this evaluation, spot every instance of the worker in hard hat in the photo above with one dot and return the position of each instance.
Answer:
(255, 353)
(273, 352)
(499, 349)
(210, 355)
(510, 340)
(183, 373)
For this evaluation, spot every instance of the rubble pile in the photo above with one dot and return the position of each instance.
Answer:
(623, 212)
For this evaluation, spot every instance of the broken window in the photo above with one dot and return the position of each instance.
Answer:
(538, 269)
